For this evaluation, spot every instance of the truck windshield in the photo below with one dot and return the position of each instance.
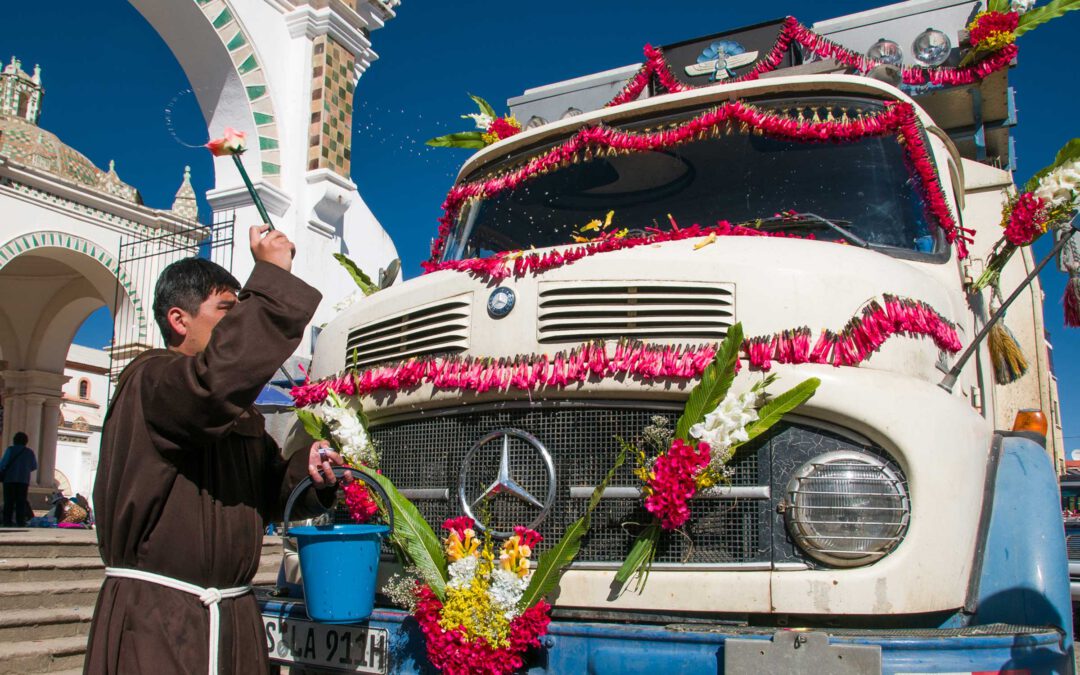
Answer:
(742, 178)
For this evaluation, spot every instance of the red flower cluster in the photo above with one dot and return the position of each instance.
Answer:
(451, 652)
(897, 118)
(1027, 220)
(502, 128)
(988, 24)
(793, 32)
(674, 482)
(850, 346)
(362, 507)
(459, 525)
(527, 537)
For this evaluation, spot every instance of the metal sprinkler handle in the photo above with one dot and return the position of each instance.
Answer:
(954, 373)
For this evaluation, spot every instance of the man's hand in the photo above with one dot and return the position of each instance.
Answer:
(274, 248)
(321, 463)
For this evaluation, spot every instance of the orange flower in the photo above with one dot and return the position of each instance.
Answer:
(232, 143)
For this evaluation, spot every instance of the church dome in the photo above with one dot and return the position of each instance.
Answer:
(24, 142)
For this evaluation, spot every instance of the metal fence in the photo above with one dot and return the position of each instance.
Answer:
(143, 258)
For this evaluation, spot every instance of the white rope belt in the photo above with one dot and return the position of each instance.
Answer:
(210, 597)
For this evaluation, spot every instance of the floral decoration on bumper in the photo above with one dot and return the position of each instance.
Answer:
(676, 464)
(863, 335)
(491, 128)
(480, 626)
(897, 118)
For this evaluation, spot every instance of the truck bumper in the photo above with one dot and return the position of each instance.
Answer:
(593, 647)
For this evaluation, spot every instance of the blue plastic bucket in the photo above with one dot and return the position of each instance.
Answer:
(339, 564)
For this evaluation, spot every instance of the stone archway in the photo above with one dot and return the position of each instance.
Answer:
(53, 282)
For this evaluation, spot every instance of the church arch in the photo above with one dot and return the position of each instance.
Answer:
(226, 73)
(99, 267)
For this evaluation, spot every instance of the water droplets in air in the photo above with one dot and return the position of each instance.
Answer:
(184, 120)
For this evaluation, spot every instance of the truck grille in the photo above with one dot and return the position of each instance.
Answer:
(736, 526)
(423, 456)
(598, 310)
(438, 328)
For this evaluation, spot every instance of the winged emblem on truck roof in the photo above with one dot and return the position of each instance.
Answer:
(720, 59)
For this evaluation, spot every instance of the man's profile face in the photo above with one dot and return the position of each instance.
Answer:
(199, 326)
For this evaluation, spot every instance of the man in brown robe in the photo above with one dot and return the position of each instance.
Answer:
(188, 477)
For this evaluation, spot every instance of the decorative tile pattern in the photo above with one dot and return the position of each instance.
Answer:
(222, 17)
(33, 146)
(332, 87)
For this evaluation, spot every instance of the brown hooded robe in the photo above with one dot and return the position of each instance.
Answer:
(187, 480)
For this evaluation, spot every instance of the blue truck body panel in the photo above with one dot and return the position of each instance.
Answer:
(1022, 618)
(582, 647)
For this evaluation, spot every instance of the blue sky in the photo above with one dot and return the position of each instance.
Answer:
(109, 79)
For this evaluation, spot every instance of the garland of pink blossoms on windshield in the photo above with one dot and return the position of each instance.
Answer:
(793, 32)
(897, 118)
(517, 263)
(863, 335)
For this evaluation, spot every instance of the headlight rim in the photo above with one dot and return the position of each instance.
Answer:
(796, 528)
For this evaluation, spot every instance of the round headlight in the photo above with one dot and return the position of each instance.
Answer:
(847, 508)
(931, 47)
(886, 51)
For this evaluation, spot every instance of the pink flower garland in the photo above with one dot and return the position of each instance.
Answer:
(518, 264)
(794, 32)
(673, 482)
(451, 652)
(856, 342)
(897, 117)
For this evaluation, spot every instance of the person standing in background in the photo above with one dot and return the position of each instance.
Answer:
(15, 467)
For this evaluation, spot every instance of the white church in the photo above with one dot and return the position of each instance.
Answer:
(75, 237)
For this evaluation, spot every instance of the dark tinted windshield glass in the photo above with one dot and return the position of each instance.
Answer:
(863, 186)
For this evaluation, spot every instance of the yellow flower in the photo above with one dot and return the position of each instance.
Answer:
(471, 609)
(456, 549)
(592, 225)
(515, 556)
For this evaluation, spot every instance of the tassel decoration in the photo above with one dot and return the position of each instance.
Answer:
(1005, 354)
(1072, 297)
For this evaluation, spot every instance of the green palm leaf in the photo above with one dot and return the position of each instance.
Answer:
(413, 534)
(363, 281)
(1040, 15)
(639, 560)
(462, 139)
(714, 384)
(550, 567)
(484, 106)
(1068, 152)
(780, 405)
(314, 425)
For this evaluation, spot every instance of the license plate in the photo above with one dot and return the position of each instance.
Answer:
(799, 652)
(350, 649)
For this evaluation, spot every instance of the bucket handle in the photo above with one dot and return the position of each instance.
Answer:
(339, 471)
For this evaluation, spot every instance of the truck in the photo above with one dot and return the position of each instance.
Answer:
(888, 525)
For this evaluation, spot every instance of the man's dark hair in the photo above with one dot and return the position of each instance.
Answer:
(186, 284)
(20, 438)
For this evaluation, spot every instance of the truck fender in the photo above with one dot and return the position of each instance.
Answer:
(1021, 573)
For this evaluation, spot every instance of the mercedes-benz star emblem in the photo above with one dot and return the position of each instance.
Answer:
(501, 302)
(522, 459)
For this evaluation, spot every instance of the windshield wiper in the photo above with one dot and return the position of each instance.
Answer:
(794, 219)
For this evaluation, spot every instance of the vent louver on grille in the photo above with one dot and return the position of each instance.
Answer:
(438, 328)
(589, 311)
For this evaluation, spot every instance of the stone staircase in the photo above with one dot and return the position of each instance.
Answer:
(49, 581)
